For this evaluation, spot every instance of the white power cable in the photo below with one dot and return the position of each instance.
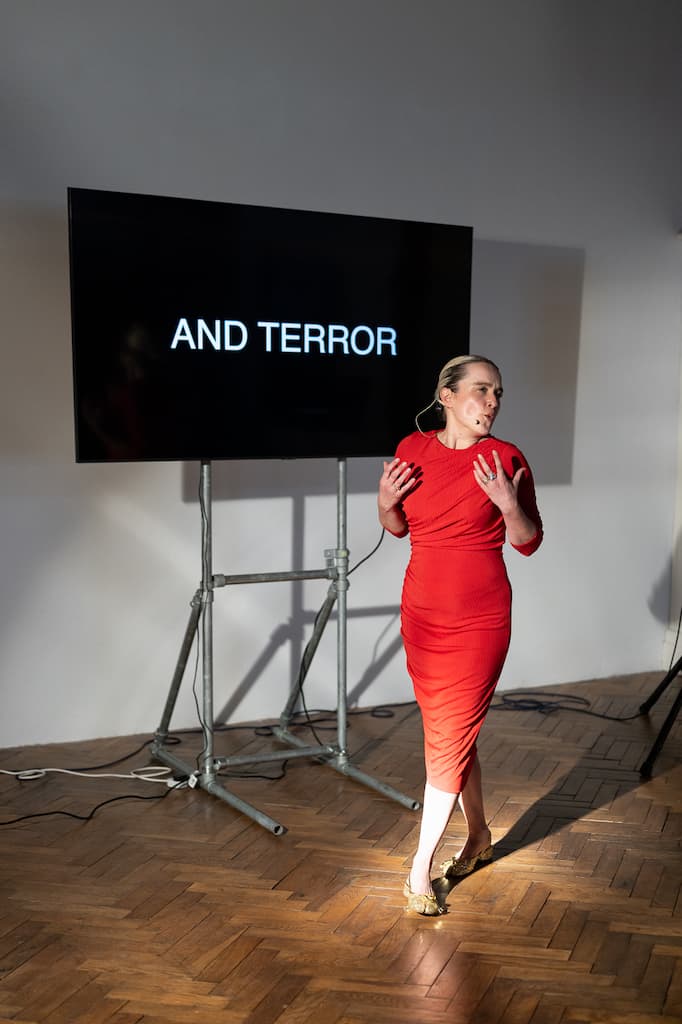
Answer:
(150, 773)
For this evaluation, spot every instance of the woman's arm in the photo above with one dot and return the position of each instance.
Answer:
(521, 518)
(521, 529)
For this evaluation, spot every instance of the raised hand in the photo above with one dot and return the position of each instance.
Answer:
(396, 480)
(501, 489)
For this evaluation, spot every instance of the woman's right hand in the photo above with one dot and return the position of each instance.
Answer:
(396, 480)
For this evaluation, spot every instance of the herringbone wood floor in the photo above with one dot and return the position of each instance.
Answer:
(182, 910)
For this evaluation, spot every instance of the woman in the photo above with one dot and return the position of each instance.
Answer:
(457, 491)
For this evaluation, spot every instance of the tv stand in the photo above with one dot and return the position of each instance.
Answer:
(334, 755)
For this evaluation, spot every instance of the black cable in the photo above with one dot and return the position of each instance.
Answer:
(527, 702)
(380, 711)
(205, 577)
(230, 773)
(309, 721)
(374, 549)
(172, 740)
(204, 729)
(530, 702)
(204, 521)
(112, 764)
(300, 680)
(91, 814)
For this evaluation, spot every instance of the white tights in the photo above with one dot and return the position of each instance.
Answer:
(436, 813)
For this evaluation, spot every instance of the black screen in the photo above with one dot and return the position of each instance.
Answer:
(206, 330)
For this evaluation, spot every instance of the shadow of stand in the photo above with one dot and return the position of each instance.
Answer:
(290, 632)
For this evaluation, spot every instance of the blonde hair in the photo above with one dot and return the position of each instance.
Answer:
(449, 377)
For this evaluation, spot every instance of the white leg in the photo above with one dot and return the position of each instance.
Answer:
(436, 813)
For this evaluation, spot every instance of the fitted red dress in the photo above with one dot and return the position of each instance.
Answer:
(456, 599)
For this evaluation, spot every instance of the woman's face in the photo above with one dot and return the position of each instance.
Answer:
(472, 408)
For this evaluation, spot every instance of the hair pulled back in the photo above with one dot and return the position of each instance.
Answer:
(449, 377)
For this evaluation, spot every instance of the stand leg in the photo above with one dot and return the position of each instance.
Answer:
(645, 770)
(161, 735)
(662, 686)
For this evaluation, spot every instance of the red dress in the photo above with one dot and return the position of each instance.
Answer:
(456, 599)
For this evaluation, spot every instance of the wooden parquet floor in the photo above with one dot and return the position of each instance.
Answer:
(181, 909)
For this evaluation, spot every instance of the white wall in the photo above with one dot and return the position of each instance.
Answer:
(548, 126)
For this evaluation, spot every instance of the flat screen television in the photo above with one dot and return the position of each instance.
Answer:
(210, 330)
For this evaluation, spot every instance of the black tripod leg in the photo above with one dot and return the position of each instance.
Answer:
(663, 685)
(645, 770)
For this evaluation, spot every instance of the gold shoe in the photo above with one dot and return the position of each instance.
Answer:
(457, 867)
(420, 902)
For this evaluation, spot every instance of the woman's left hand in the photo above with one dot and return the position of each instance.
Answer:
(501, 489)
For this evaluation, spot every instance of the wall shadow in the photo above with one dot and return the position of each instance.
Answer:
(526, 310)
(659, 600)
(291, 632)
